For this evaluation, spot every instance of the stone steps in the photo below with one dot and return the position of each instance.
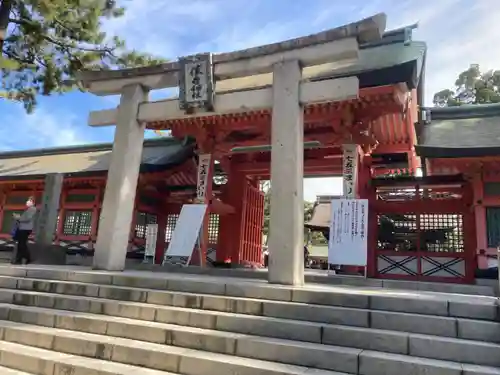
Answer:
(204, 326)
(263, 296)
(247, 315)
(140, 353)
(47, 362)
(10, 371)
(186, 361)
(325, 356)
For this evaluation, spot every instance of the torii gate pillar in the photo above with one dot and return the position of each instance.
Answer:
(119, 197)
(286, 227)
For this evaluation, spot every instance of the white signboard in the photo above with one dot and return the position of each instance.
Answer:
(350, 169)
(185, 235)
(151, 237)
(348, 243)
(203, 168)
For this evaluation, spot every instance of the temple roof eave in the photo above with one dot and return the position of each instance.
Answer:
(460, 132)
(90, 160)
(436, 152)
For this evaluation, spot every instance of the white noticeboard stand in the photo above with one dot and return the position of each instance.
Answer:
(150, 247)
(186, 235)
(348, 244)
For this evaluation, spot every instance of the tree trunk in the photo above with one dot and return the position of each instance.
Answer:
(5, 8)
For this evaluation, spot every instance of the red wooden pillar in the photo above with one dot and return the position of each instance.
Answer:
(2, 204)
(231, 224)
(61, 214)
(469, 231)
(131, 237)
(366, 191)
(160, 239)
(96, 212)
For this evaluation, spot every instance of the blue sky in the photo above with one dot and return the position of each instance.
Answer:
(458, 33)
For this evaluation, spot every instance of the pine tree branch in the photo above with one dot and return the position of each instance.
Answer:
(62, 43)
(5, 9)
(18, 58)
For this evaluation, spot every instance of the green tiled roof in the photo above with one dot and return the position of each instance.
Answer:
(386, 56)
(472, 130)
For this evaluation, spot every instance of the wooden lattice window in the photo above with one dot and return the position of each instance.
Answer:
(8, 220)
(141, 222)
(213, 228)
(77, 223)
(493, 226)
(171, 222)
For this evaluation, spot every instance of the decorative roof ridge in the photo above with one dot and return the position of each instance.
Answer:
(365, 30)
(402, 35)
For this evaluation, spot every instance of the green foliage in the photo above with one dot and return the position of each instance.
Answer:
(471, 87)
(316, 237)
(47, 41)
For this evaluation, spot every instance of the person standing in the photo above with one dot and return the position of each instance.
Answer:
(26, 222)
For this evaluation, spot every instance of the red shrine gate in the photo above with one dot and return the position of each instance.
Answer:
(422, 230)
(253, 221)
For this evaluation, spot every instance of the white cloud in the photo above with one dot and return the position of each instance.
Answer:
(39, 130)
(157, 27)
(458, 33)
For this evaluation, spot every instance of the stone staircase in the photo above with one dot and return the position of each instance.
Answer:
(80, 322)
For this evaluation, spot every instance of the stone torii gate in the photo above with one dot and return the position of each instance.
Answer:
(282, 76)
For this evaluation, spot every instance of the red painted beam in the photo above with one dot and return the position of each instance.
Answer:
(314, 164)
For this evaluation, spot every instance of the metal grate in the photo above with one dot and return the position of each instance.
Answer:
(171, 222)
(493, 226)
(441, 233)
(142, 220)
(397, 232)
(77, 223)
(213, 228)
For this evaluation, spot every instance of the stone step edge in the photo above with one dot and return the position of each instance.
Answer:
(103, 300)
(161, 283)
(11, 371)
(222, 334)
(397, 285)
(238, 345)
(156, 308)
(235, 360)
(17, 357)
(12, 293)
(184, 359)
(79, 340)
(229, 298)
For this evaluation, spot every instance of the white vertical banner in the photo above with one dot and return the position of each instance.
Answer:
(348, 243)
(151, 238)
(350, 169)
(204, 161)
